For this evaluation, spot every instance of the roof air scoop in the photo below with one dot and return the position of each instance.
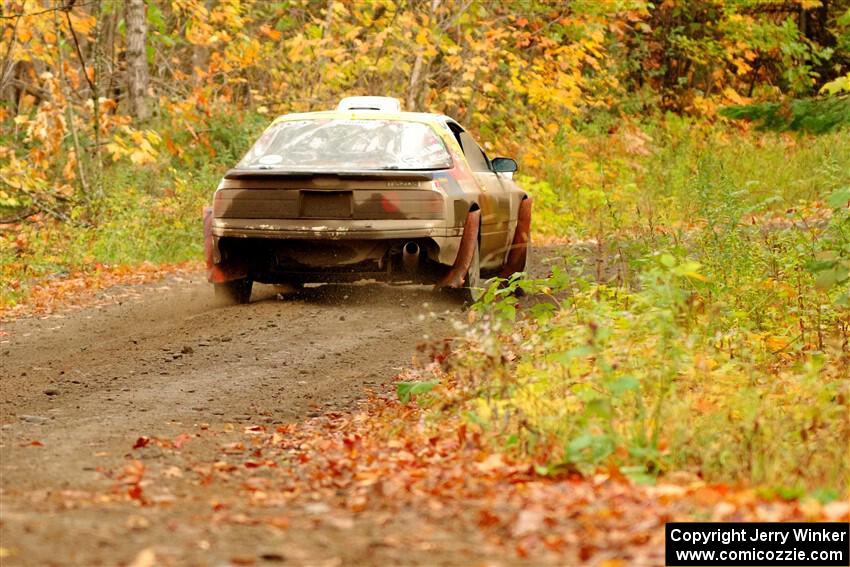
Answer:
(378, 103)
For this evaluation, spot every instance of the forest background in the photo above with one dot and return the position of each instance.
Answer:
(689, 158)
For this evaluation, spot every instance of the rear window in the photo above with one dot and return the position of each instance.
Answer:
(348, 145)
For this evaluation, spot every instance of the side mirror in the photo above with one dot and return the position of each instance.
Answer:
(503, 165)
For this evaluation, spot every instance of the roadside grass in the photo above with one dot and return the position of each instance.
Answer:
(138, 223)
(701, 326)
(656, 177)
(145, 213)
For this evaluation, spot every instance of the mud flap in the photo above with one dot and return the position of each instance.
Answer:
(457, 274)
(221, 272)
(519, 247)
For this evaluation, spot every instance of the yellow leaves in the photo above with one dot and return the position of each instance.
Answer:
(741, 66)
(244, 53)
(83, 23)
(296, 48)
(47, 127)
(68, 171)
(597, 36)
(25, 177)
(775, 343)
(839, 85)
(24, 34)
(138, 146)
(733, 96)
(703, 106)
(200, 33)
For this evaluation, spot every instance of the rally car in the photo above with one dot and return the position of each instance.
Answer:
(366, 192)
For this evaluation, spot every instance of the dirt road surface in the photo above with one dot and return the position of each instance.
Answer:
(79, 388)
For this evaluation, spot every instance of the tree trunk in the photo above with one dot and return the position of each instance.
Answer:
(418, 79)
(413, 87)
(137, 59)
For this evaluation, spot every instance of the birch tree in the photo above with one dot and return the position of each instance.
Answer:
(137, 61)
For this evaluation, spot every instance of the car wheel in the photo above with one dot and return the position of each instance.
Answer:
(519, 292)
(234, 291)
(528, 252)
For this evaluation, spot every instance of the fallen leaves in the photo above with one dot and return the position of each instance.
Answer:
(385, 461)
(131, 478)
(176, 443)
(386, 469)
(84, 288)
(181, 440)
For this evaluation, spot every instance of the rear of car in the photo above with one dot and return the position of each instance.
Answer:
(343, 196)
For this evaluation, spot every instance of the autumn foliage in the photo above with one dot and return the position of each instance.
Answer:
(694, 319)
(523, 75)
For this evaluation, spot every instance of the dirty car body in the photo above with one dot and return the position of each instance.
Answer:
(356, 194)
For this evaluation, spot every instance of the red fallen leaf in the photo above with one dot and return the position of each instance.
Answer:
(135, 492)
(521, 549)
(486, 519)
(351, 440)
(252, 465)
(33, 444)
(585, 552)
(181, 440)
(141, 442)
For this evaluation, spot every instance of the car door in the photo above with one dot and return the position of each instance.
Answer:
(494, 201)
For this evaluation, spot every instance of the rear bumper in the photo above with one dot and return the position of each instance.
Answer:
(360, 240)
(291, 229)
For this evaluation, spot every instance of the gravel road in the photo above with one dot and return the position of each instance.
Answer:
(79, 388)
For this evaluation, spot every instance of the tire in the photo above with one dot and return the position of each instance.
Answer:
(519, 292)
(528, 251)
(234, 291)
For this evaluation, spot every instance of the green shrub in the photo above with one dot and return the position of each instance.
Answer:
(815, 116)
(702, 323)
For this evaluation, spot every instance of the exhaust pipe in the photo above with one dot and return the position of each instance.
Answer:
(410, 257)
